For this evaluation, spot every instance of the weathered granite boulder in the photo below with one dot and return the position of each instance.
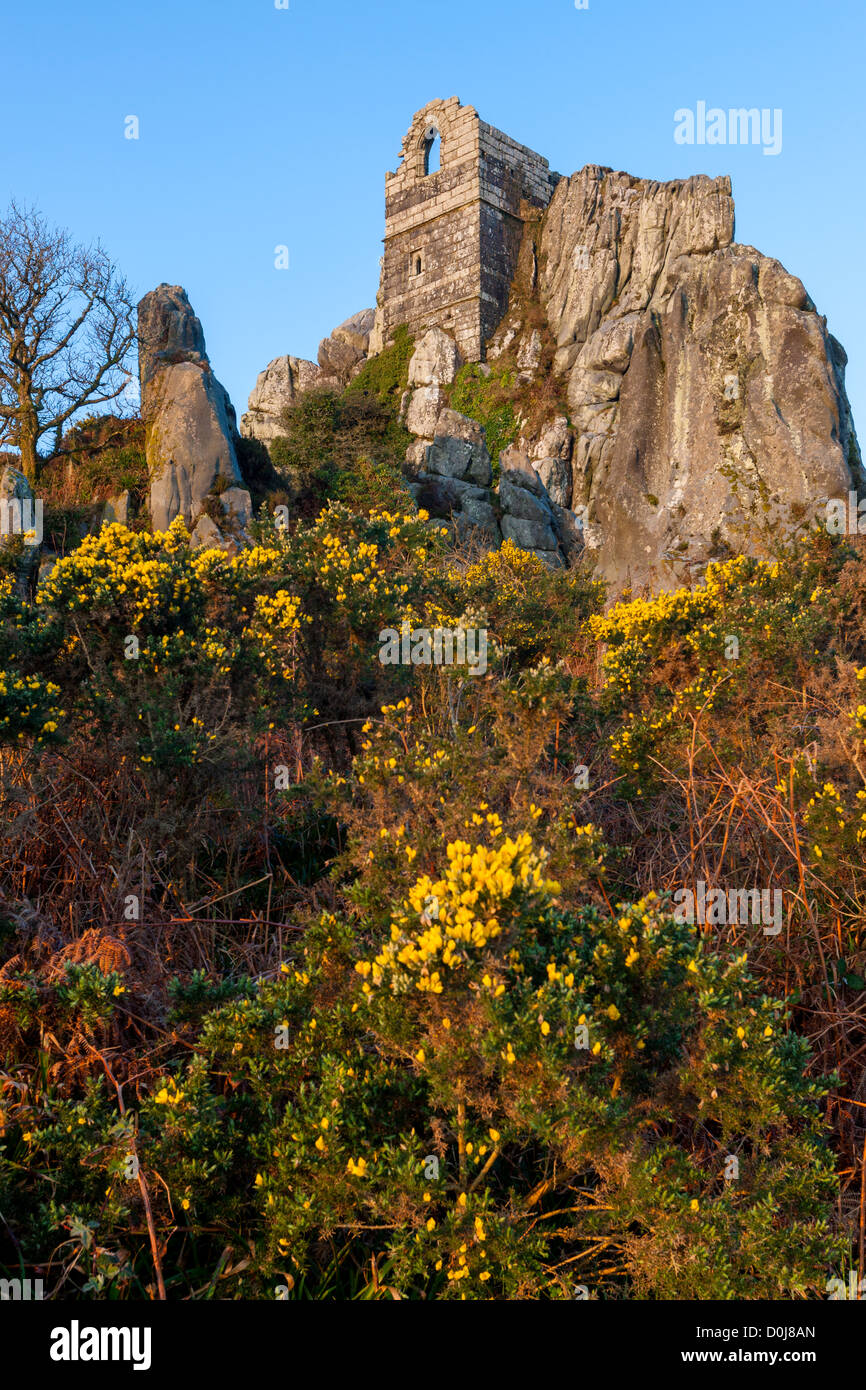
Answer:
(706, 396)
(416, 455)
(459, 449)
(702, 383)
(237, 505)
(206, 535)
(435, 361)
(189, 443)
(555, 473)
(478, 514)
(277, 387)
(440, 496)
(168, 332)
(570, 531)
(341, 354)
(229, 532)
(190, 426)
(448, 462)
(355, 331)
(424, 408)
(528, 516)
(118, 509)
(17, 502)
(465, 505)
(550, 452)
(534, 535)
(46, 565)
(20, 526)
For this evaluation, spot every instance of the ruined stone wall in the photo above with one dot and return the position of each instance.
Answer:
(510, 174)
(452, 236)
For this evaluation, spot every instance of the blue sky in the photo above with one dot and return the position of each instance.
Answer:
(262, 126)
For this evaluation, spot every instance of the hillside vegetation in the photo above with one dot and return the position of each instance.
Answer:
(326, 978)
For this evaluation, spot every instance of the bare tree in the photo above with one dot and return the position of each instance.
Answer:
(67, 327)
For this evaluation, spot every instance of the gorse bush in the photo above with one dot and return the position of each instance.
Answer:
(330, 977)
(442, 1121)
(534, 610)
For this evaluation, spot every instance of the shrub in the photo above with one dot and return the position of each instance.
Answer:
(336, 929)
(386, 376)
(489, 400)
(106, 453)
(479, 1095)
(348, 447)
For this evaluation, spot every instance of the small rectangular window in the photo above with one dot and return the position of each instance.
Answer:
(416, 264)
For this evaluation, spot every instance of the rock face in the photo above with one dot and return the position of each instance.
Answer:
(433, 365)
(423, 410)
(707, 411)
(118, 508)
(451, 474)
(345, 350)
(276, 388)
(550, 453)
(168, 332)
(451, 471)
(459, 450)
(190, 425)
(706, 396)
(530, 518)
(435, 361)
(341, 355)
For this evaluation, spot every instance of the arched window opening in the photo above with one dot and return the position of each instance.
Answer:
(432, 152)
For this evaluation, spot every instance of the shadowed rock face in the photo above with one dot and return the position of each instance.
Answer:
(459, 449)
(189, 443)
(706, 397)
(528, 517)
(190, 426)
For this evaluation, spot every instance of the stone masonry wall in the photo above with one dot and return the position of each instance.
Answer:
(461, 225)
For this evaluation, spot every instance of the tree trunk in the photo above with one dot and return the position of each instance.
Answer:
(28, 426)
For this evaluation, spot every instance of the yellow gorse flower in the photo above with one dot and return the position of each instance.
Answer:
(457, 916)
(169, 1095)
